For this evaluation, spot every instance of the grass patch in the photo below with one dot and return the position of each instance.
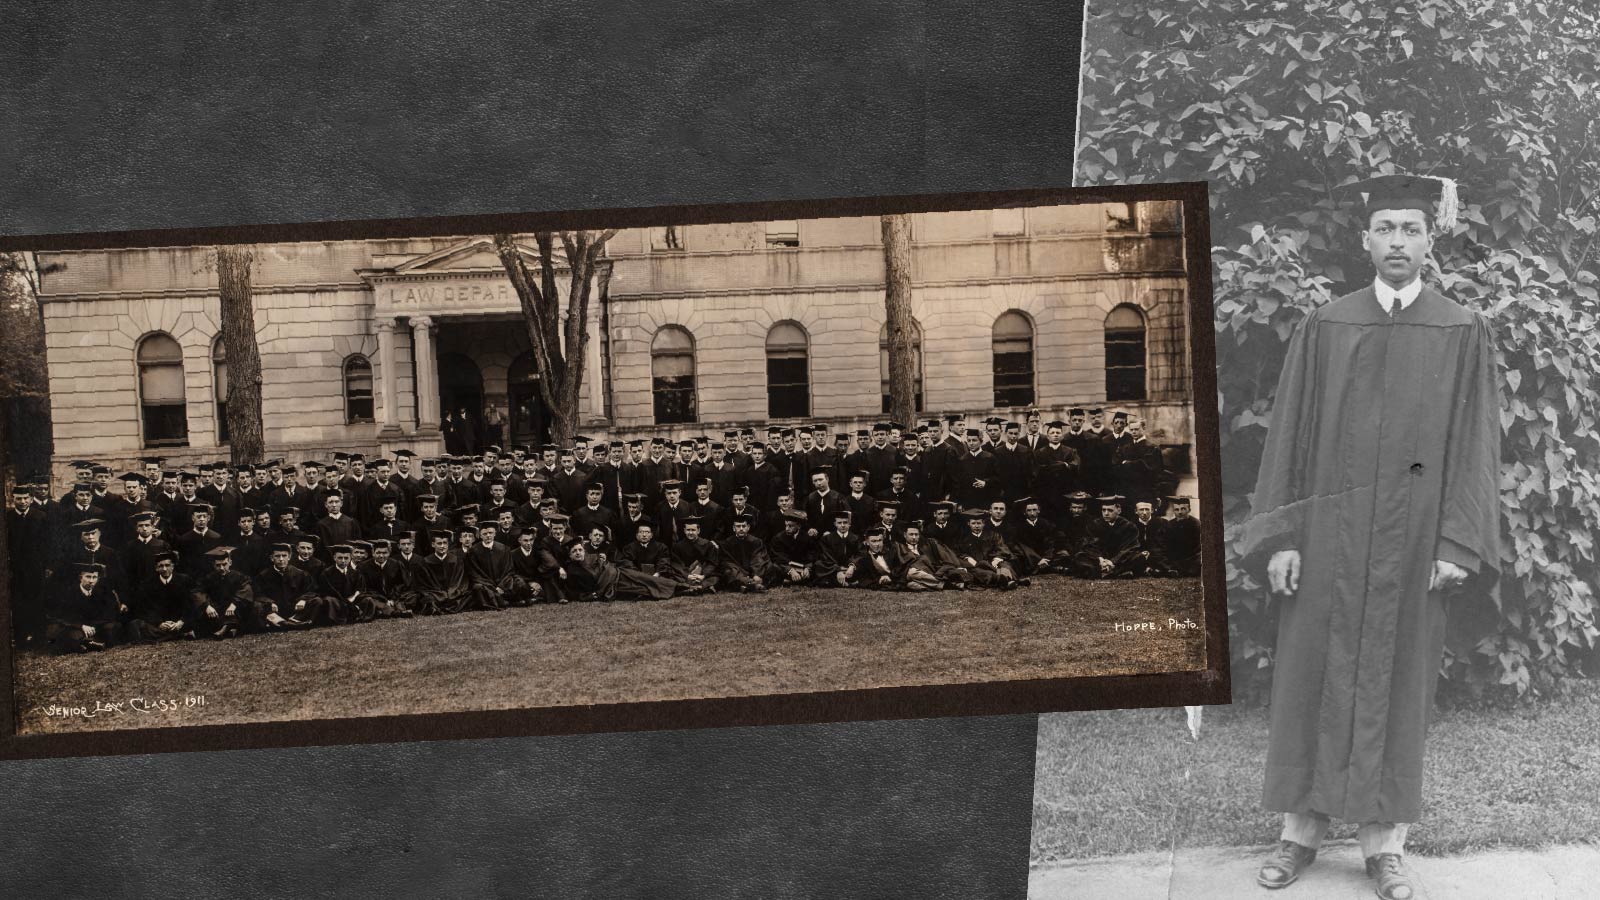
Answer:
(1524, 778)
(591, 653)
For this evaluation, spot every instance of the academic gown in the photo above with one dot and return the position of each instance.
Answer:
(1383, 455)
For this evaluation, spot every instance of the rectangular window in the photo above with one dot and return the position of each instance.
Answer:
(1013, 378)
(666, 238)
(165, 425)
(674, 389)
(358, 397)
(788, 388)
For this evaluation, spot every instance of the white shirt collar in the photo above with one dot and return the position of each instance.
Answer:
(1386, 294)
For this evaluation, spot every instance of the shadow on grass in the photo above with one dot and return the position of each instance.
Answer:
(1131, 781)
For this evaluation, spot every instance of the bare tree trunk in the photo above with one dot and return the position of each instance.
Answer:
(246, 441)
(897, 307)
(559, 346)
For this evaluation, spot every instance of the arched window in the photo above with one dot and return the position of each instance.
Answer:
(219, 381)
(672, 372)
(916, 363)
(357, 390)
(788, 372)
(1125, 353)
(1013, 360)
(162, 401)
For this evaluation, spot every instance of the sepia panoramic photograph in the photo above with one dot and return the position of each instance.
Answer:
(313, 480)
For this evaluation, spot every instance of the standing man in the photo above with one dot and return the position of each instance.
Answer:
(1377, 497)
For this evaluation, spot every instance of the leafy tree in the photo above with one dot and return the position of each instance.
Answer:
(1276, 104)
(24, 381)
(559, 339)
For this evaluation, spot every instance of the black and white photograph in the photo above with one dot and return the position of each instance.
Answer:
(290, 481)
(1407, 292)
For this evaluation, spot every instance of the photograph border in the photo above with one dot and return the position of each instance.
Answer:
(1208, 686)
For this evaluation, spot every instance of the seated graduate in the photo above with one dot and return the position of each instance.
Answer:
(138, 554)
(985, 554)
(227, 600)
(599, 540)
(593, 577)
(307, 555)
(493, 575)
(1074, 555)
(83, 614)
(836, 551)
(1114, 541)
(249, 547)
(745, 563)
(340, 587)
(552, 548)
(632, 517)
(526, 562)
(1034, 538)
(384, 582)
(1179, 543)
(792, 550)
(646, 554)
(707, 510)
(739, 505)
(945, 527)
(407, 556)
(440, 580)
(593, 512)
(931, 557)
(882, 566)
(167, 600)
(696, 561)
(289, 592)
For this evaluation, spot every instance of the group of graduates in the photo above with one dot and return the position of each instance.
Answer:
(225, 550)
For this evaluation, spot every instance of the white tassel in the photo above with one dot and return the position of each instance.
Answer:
(1449, 203)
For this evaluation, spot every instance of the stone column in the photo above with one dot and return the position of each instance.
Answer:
(391, 391)
(427, 374)
(594, 373)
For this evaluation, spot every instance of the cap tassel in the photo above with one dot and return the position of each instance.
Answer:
(1449, 203)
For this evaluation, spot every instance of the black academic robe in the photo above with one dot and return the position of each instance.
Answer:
(1117, 541)
(1138, 470)
(968, 469)
(820, 509)
(696, 557)
(69, 609)
(765, 485)
(333, 531)
(651, 558)
(441, 585)
(669, 521)
(494, 579)
(1383, 455)
(220, 592)
(834, 554)
(745, 562)
(341, 590)
(175, 600)
(1178, 544)
(283, 591)
(1098, 450)
(585, 519)
(978, 554)
(1013, 466)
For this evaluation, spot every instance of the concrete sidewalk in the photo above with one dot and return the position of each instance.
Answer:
(1215, 873)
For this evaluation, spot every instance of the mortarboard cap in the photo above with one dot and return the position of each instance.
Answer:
(220, 553)
(88, 567)
(164, 556)
(88, 525)
(1431, 194)
(134, 476)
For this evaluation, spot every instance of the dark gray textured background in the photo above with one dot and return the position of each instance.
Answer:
(151, 116)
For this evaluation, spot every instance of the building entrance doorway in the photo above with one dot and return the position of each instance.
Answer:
(460, 403)
(530, 418)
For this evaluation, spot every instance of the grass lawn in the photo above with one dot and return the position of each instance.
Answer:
(720, 645)
(1527, 778)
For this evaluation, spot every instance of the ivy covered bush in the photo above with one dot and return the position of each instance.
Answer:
(1275, 104)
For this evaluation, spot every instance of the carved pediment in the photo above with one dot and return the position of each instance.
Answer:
(475, 254)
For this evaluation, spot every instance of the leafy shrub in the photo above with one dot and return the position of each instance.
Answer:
(1275, 104)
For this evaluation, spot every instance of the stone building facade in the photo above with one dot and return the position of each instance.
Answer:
(367, 345)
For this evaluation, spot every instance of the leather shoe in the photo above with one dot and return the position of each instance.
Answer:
(1392, 881)
(1284, 866)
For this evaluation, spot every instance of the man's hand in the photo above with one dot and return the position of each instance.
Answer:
(88, 631)
(211, 612)
(1446, 575)
(299, 605)
(1283, 572)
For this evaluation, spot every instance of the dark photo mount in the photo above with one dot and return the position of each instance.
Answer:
(1202, 686)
